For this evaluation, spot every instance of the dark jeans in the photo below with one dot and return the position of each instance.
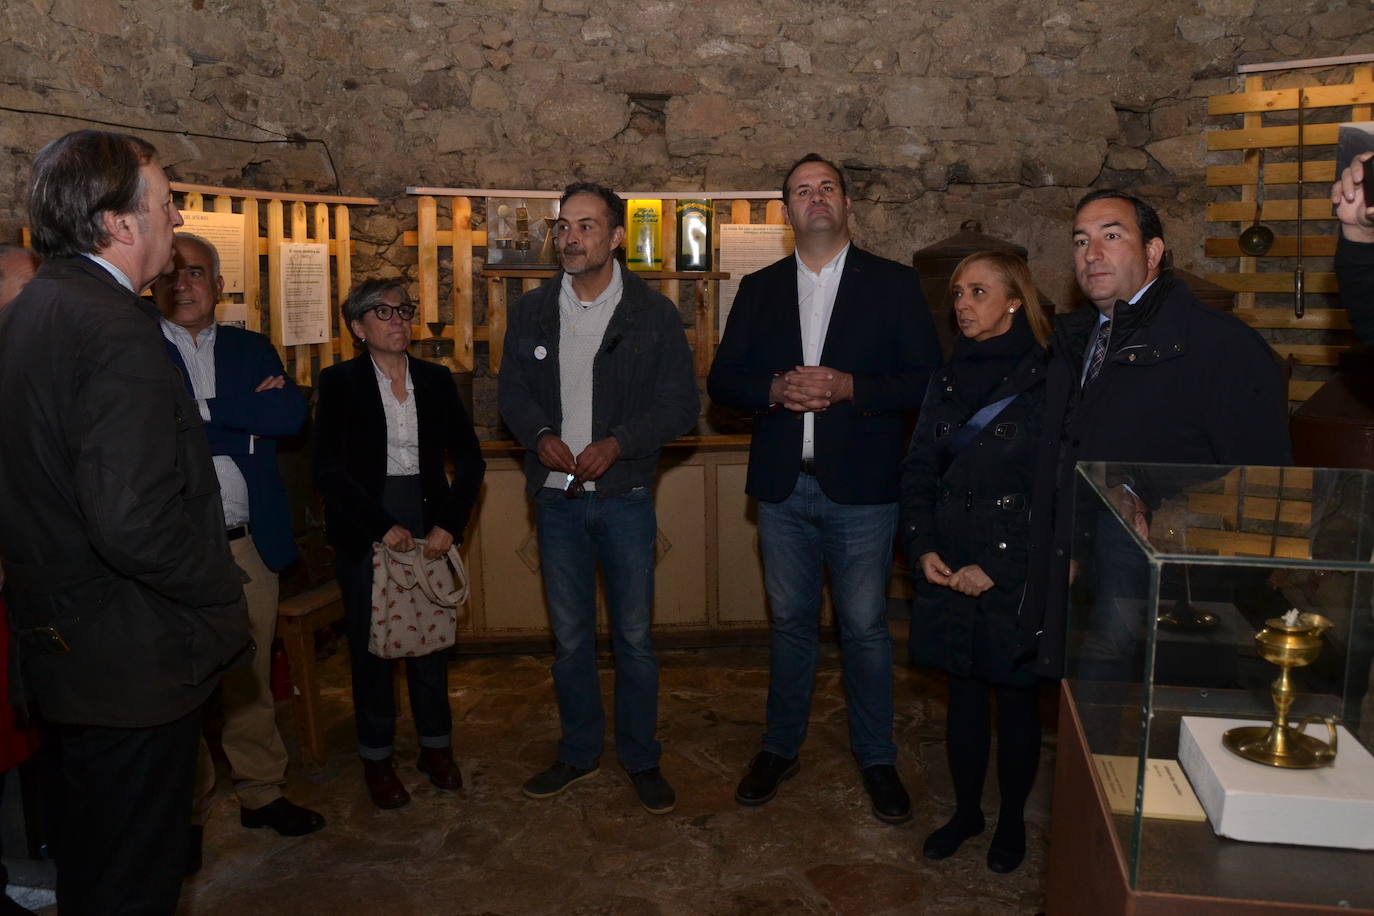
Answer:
(798, 536)
(619, 533)
(126, 809)
(374, 700)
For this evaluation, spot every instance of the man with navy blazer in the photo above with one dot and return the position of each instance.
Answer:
(247, 402)
(830, 348)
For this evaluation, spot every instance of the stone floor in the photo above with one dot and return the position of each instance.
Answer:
(489, 850)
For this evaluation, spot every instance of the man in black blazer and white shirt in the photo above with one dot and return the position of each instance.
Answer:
(829, 347)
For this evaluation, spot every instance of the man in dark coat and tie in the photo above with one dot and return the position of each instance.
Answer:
(1148, 375)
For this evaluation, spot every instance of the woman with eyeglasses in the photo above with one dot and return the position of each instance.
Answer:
(385, 424)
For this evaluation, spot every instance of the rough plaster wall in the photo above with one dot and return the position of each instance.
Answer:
(988, 109)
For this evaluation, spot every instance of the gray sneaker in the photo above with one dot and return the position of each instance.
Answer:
(555, 779)
(653, 790)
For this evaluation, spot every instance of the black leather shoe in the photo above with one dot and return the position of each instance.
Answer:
(891, 804)
(383, 784)
(438, 764)
(653, 790)
(766, 771)
(195, 849)
(284, 817)
(946, 841)
(555, 779)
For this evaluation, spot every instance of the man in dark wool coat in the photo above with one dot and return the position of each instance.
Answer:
(1150, 375)
(124, 603)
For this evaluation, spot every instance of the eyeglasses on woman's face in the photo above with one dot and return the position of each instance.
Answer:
(384, 312)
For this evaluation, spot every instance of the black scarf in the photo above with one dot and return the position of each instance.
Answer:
(979, 366)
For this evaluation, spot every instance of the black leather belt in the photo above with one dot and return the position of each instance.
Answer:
(808, 467)
(236, 532)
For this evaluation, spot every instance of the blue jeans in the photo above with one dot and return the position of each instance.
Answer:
(855, 543)
(574, 535)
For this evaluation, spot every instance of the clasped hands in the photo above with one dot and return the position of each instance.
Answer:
(594, 460)
(968, 580)
(811, 388)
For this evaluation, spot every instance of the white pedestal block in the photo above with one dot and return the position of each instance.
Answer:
(1244, 800)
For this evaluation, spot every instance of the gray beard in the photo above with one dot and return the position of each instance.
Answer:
(587, 267)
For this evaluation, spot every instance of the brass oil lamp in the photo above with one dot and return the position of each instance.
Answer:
(1290, 641)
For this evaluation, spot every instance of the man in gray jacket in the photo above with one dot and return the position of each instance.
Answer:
(125, 605)
(597, 377)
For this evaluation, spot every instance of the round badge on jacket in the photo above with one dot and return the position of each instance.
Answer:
(540, 352)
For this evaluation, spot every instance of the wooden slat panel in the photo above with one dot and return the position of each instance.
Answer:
(739, 211)
(1235, 543)
(276, 233)
(1299, 479)
(1310, 354)
(1300, 390)
(773, 213)
(1312, 319)
(496, 324)
(444, 237)
(1256, 507)
(669, 287)
(224, 204)
(427, 222)
(1279, 281)
(321, 234)
(1274, 210)
(627, 194)
(272, 195)
(1250, 159)
(1269, 137)
(1287, 99)
(461, 329)
(1364, 76)
(193, 201)
(704, 340)
(1285, 246)
(1317, 171)
(252, 265)
(300, 233)
(343, 275)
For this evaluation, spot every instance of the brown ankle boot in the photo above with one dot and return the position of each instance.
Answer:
(443, 771)
(383, 784)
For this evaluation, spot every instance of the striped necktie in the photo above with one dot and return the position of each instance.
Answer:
(1104, 333)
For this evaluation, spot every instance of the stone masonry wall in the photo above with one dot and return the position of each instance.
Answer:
(989, 109)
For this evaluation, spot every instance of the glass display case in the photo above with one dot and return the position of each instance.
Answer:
(1174, 571)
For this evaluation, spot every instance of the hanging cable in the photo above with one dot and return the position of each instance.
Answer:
(295, 138)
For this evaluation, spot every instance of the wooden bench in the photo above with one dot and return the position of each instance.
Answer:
(298, 618)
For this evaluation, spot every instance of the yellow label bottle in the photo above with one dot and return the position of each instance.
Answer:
(644, 235)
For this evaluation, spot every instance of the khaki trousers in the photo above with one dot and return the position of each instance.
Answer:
(257, 755)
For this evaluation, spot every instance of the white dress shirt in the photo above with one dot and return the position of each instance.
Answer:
(198, 354)
(815, 302)
(402, 426)
(120, 276)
